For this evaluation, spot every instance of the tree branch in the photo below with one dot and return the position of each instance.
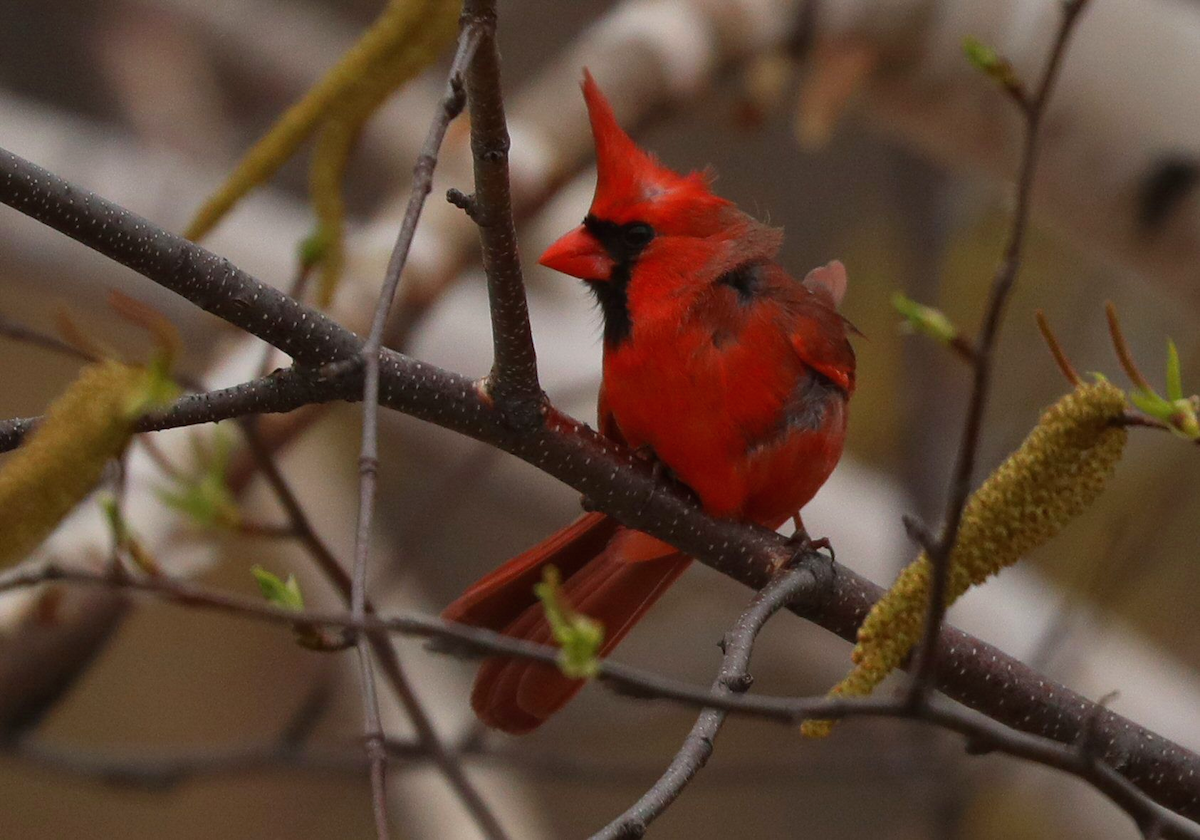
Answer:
(277, 392)
(513, 382)
(733, 678)
(192, 272)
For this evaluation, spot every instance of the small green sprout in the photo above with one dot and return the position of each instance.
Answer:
(123, 536)
(1181, 414)
(314, 247)
(578, 636)
(204, 495)
(284, 594)
(925, 319)
(994, 65)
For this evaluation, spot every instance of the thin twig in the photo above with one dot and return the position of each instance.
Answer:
(1002, 284)
(733, 678)
(37, 338)
(177, 767)
(983, 735)
(513, 381)
(964, 349)
(450, 107)
(277, 392)
(385, 652)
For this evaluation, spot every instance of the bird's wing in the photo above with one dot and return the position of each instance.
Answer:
(816, 329)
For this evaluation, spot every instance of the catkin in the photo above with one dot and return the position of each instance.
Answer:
(408, 34)
(1057, 473)
(64, 458)
(431, 25)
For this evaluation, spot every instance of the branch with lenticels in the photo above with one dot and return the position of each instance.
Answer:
(968, 670)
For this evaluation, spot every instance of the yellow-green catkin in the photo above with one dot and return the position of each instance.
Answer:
(64, 458)
(438, 21)
(1056, 474)
(405, 28)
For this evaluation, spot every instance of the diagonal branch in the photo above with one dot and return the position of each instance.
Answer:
(277, 392)
(733, 678)
(192, 272)
(428, 740)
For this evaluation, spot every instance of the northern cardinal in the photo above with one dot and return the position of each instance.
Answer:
(733, 374)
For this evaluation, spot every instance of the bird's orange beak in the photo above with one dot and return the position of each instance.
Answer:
(579, 255)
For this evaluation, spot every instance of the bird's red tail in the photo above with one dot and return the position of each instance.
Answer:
(609, 573)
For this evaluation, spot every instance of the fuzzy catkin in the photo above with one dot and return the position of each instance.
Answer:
(429, 26)
(405, 28)
(64, 458)
(1057, 473)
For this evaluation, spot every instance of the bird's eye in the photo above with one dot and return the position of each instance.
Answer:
(637, 235)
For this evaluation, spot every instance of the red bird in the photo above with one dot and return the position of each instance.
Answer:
(732, 373)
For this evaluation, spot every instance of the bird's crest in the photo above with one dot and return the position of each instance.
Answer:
(628, 176)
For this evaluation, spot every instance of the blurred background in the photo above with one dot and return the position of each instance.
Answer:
(858, 127)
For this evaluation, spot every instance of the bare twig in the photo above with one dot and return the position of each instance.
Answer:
(262, 395)
(172, 768)
(1002, 284)
(983, 735)
(368, 462)
(733, 678)
(286, 749)
(280, 391)
(385, 652)
(513, 382)
(37, 338)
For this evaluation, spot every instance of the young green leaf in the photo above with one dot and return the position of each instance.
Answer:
(1174, 378)
(204, 495)
(281, 593)
(925, 319)
(981, 56)
(996, 66)
(578, 636)
(314, 247)
(1151, 403)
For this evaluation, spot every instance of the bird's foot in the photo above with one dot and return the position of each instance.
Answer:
(802, 545)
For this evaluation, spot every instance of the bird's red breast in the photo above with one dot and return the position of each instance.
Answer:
(734, 373)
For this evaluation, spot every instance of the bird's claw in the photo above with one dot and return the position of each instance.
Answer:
(802, 545)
